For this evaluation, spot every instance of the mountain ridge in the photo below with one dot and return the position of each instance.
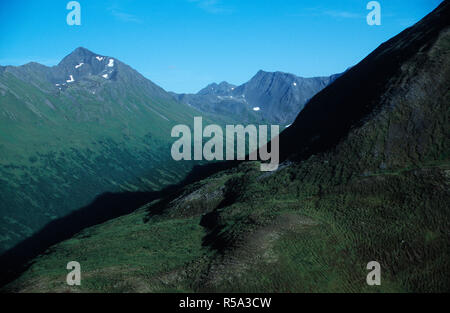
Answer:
(105, 132)
(268, 97)
(83, 64)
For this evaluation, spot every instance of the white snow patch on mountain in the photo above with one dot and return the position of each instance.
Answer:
(105, 76)
(99, 58)
(256, 109)
(79, 65)
(111, 63)
(295, 84)
(71, 80)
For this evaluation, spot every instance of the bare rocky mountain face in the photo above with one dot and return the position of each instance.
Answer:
(275, 98)
(84, 68)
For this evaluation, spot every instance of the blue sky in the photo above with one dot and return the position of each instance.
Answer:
(183, 45)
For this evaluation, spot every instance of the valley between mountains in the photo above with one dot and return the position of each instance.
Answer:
(92, 125)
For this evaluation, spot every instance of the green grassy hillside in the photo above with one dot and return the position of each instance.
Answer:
(238, 231)
(59, 149)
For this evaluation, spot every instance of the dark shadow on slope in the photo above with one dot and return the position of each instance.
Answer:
(355, 96)
(105, 207)
(199, 173)
(212, 221)
(346, 104)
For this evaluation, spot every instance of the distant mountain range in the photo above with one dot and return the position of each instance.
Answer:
(275, 98)
(364, 178)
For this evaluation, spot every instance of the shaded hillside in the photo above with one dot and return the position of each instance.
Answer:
(400, 88)
(365, 178)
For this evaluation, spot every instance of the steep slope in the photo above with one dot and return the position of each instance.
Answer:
(365, 178)
(71, 132)
(281, 96)
(274, 98)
